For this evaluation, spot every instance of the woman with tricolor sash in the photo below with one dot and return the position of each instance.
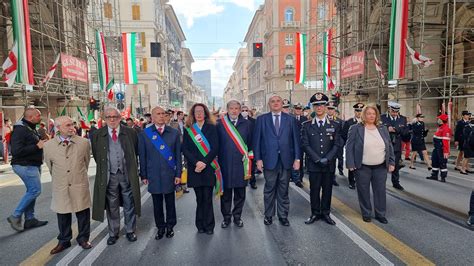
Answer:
(200, 148)
(235, 159)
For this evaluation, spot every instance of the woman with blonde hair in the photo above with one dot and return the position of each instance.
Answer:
(369, 152)
(200, 148)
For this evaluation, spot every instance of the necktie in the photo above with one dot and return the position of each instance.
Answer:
(320, 123)
(114, 135)
(160, 130)
(66, 142)
(234, 122)
(277, 124)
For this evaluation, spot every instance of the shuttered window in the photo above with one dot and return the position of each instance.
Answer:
(135, 12)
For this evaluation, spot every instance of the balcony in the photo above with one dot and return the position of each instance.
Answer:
(287, 71)
(290, 24)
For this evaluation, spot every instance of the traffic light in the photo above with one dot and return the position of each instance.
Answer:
(257, 49)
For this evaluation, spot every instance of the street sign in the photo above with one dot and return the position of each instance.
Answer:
(119, 96)
(120, 106)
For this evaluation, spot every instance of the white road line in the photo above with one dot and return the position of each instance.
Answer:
(371, 251)
(77, 249)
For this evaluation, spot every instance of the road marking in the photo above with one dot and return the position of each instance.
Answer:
(371, 251)
(42, 255)
(396, 247)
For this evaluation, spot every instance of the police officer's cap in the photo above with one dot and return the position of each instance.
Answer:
(319, 98)
(298, 106)
(466, 113)
(286, 103)
(394, 106)
(332, 105)
(358, 107)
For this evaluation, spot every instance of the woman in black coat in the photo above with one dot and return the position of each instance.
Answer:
(201, 174)
(418, 141)
(467, 148)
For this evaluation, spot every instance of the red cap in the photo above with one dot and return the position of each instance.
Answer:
(443, 117)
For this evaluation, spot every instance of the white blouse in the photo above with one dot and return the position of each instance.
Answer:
(374, 147)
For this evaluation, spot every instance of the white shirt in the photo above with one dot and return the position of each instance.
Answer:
(110, 130)
(274, 117)
(374, 147)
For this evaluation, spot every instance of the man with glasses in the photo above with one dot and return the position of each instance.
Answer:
(115, 150)
(345, 130)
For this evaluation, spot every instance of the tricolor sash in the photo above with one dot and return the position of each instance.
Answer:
(241, 146)
(204, 147)
(161, 147)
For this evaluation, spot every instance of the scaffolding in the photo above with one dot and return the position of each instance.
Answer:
(441, 30)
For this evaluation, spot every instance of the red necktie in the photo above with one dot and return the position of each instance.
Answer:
(114, 135)
(66, 142)
(160, 130)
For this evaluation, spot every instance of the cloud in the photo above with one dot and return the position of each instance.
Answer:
(249, 4)
(220, 63)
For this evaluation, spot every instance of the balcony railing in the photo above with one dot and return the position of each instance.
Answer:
(290, 24)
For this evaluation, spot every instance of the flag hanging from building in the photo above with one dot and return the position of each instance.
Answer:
(417, 58)
(398, 33)
(300, 58)
(129, 58)
(21, 35)
(51, 71)
(379, 69)
(10, 66)
(326, 62)
(102, 60)
(110, 89)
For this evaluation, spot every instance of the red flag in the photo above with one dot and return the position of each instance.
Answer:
(83, 125)
(110, 95)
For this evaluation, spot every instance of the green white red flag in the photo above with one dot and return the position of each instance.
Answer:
(300, 58)
(326, 62)
(10, 66)
(21, 35)
(398, 34)
(129, 58)
(102, 60)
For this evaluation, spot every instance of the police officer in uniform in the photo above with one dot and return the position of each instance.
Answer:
(345, 131)
(397, 127)
(286, 106)
(459, 138)
(300, 119)
(321, 141)
(331, 109)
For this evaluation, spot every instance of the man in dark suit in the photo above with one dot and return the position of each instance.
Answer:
(277, 149)
(459, 139)
(235, 145)
(397, 127)
(300, 119)
(159, 148)
(321, 141)
(345, 130)
(247, 114)
(331, 114)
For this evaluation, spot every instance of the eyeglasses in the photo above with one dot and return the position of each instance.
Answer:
(112, 117)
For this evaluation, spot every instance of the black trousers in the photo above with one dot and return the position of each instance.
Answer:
(471, 204)
(340, 159)
(351, 177)
(253, 180)
(317, 181)
(170, 210)
(226, 203)
(204, 210)
(396, 172)
(83, 224)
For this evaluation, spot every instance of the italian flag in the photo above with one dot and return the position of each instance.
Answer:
(398, 34)
(326, 63)
(300, 57)
(102, 60)
(129, 58)
(21, 35)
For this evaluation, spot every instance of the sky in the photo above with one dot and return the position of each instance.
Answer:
(215, 30)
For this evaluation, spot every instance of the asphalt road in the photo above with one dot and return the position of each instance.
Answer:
(425, 227)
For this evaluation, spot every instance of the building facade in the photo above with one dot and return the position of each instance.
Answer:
(202, 78)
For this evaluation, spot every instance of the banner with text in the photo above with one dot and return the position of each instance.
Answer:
(73, 68)
(352, 65)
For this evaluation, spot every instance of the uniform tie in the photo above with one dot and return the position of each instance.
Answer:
(321, 123)
(114, 135)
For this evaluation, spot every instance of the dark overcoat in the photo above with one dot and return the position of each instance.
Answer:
(100, 145)
(153, 165)
(207, 177)
(230, 158)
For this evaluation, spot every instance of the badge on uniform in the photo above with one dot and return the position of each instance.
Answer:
(170, 158)
(162, 147)
(154, 137)
(331, 130)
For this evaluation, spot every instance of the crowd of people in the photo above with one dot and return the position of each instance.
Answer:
(221, 153)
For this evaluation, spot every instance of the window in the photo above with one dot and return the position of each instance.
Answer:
(289, 61)
(289, 39)
(289, 14)
(108, 10)
(145, 65)
(322, 12)
(135, 12)
(143, 39)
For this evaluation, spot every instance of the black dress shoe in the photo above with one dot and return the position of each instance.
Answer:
(185, 191)
(299, 184)
(210, 232)
(239, 223)
(351, 186)
(367, 219)
(225, 224)
(131, 237)
(443, 179)
(334, 183)
(457, 168)
(85, 245)
(253, 186)
(429, 168)
(284, 221)
(267, 220)
(169, 232)
(33, 223)
(160, 233)
(470, 171)
(398, 186)
(112, 240)
(60, 248)
(432, 178)
(201, 231)
(328, 220)
(382, 220)
(463, 173)
(312, 219)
